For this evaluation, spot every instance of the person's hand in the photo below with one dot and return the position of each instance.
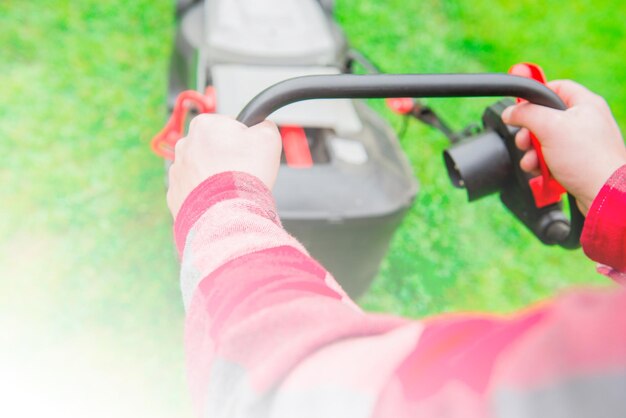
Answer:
(216, 144)
(582, 146)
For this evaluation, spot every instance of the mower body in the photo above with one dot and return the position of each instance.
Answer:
(346, 205)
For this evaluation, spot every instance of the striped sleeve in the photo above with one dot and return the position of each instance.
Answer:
(269, 333)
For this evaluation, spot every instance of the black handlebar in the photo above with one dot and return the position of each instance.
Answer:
(350, 86)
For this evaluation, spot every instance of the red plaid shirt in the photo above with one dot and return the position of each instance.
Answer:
(269, 333)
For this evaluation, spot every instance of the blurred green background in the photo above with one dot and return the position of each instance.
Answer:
(90, 310)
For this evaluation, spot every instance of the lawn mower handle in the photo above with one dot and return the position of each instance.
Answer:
(350, 86)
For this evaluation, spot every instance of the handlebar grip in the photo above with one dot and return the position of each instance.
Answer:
(351, 86)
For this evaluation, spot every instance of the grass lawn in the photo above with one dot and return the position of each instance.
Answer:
(451, 255)
(89, 298)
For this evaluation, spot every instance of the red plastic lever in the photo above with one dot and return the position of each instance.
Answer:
(296, 147)
(164, 142)
(400, 105)
(546, 190)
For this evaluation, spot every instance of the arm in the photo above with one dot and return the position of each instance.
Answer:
(269, 333)
(266, 324)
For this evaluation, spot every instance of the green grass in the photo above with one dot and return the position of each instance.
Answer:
(88, 287)
(450, 255)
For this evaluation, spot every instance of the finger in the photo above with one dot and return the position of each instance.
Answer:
(267, 127)
(172, 176)
(521, 70)
(268, 132)
(170, 198)
(530, 161)
(180, 144)
(201, 122)
(536, 118)
(522, 139)
(571, 92)
(206, 122)
(179, 149)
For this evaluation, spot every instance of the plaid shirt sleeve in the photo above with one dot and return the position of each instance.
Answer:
(604, 234)
(270, 334)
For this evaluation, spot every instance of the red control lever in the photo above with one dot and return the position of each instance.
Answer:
(164, 142)
(546, 190)
(296, 147)
(400, 105)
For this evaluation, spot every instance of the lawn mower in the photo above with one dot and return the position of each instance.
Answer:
(345, 184)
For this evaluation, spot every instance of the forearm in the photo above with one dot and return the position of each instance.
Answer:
(269, 333)
(227, 216)
(258, 307)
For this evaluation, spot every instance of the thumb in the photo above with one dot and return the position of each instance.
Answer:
(267, 134)
(537, 119)
(267, 127)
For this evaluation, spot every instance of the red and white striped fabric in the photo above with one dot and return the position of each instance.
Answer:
(269, 333)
